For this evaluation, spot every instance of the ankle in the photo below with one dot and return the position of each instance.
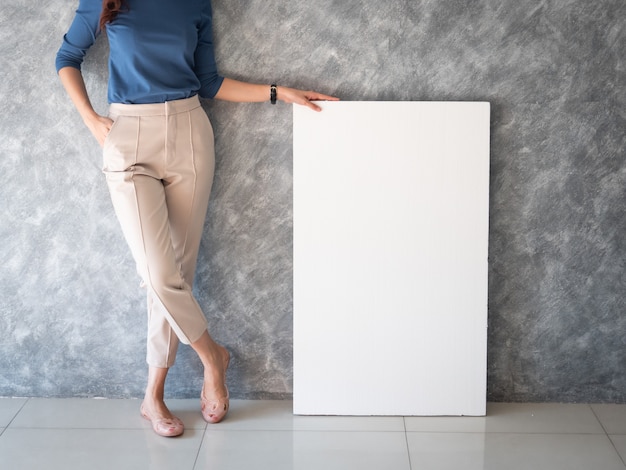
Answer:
(154, 396)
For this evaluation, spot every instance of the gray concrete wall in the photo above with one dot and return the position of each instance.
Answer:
(72, 316)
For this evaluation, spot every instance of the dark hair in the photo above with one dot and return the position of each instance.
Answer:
(110, 9)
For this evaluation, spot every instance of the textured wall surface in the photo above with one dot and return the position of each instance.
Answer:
(72, 315)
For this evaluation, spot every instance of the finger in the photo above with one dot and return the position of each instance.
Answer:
(319, 96)
(328, 98)
(311, 105)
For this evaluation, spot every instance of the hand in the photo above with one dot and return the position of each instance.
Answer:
(100, 126)
(304, 98)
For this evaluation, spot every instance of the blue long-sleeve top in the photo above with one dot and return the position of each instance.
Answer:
(159, 50)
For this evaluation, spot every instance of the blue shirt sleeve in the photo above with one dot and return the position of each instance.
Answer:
(204, 57)
(81, 35)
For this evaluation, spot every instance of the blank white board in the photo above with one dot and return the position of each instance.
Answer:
(391, 210)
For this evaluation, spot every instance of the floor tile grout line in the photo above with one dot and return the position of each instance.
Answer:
(195, 461)
(339, 431)
(406, 440)
(351, 431)
(206, 431)
(608, 436)
(538, 433)
(15, 415)
(595, 415)
(77, 428)
(618, 453)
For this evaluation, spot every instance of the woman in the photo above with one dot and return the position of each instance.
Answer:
(158, 160)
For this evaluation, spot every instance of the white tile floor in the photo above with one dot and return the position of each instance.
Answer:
(85, 434)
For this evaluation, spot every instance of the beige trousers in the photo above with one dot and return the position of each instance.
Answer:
(159, 161)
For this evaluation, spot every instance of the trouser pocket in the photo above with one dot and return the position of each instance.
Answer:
(119, 151)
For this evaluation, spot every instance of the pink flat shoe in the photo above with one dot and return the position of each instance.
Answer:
(213, 411)
(166, 427)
